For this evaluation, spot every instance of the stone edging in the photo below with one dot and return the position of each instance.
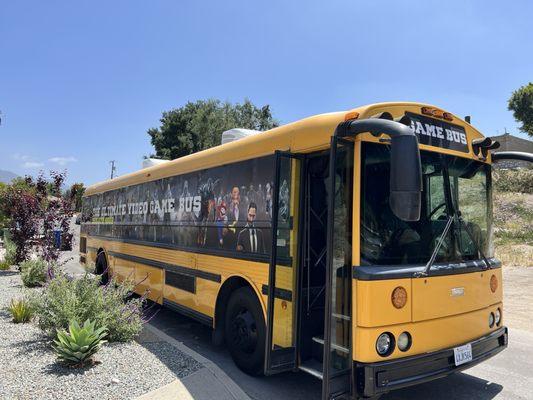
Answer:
(223, 378)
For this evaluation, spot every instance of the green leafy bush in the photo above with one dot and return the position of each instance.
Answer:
(21, 310)
(78, 346)
(9, 256)
(33, 272)
(514, 180)
(82, 299)
(4, 265)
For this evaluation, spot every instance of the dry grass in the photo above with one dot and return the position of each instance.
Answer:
(513, 233)
(518, 255)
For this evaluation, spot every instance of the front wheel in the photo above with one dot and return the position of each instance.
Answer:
(245, 331)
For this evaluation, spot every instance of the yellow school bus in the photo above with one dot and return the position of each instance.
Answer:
(355, 246)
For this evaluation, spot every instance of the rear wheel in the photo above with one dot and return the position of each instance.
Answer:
(245, 331)
(101, 268)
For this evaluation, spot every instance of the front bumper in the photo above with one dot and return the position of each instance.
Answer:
(381, 377)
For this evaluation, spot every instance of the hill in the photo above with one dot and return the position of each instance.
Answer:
(513, 217)
(7, 176)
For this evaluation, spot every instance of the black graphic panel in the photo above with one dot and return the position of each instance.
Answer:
(225, 208)
(434, 132)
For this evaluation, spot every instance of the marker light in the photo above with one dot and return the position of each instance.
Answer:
(491, 320)
(498, 317)
(436, 113)
(385, 344)
(427, 111)
(399, 297)
(404, 341)
(493, 283)
(351, 115)
(447, 116)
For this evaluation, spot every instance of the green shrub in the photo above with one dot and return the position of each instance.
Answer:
(33, 272)
(78, 346)
(514, 180)
(4, 265)
(83, 299)
(9, 256)
(21, 310)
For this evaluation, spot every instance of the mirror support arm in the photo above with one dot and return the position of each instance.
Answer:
(512, 155)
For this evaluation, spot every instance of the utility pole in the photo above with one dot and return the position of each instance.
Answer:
(113, 168)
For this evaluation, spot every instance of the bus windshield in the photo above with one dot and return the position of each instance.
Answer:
(451, 186)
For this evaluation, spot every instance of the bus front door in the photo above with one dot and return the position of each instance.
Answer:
(337, 367)
(280, 352)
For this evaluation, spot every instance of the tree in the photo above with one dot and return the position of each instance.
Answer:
(199, 125)
(75, 194)
(521, 104)
(35, 208)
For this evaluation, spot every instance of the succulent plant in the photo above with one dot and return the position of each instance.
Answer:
(78, 346)
(21, 310)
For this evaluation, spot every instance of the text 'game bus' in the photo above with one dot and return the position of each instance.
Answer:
(355, 246)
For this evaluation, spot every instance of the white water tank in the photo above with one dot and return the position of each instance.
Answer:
(236, 134)
(150, 162)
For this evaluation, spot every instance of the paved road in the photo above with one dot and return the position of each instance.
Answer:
(507, 376)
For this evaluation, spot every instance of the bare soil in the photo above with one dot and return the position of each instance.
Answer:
(518, 297)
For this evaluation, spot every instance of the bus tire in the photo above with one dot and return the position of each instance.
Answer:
(245, 331)
(101, 268)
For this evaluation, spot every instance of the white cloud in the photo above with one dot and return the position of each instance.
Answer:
(21, 157)
(32, 164)
(62, 160)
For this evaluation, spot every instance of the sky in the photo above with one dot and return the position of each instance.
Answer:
(82, 81)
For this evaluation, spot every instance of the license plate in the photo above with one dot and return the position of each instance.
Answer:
(463, 354)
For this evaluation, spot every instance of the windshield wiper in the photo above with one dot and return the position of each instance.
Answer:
(436, 250)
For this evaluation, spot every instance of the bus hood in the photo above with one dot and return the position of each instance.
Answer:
(441, 296)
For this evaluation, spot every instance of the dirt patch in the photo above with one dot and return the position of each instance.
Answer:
(518, 297)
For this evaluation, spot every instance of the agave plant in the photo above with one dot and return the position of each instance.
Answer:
(78, 346)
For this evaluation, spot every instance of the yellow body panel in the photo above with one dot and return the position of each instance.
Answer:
(437, 291)
(428, 336)
(374, 305)
(204, 300)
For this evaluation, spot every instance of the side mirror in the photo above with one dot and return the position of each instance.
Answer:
(405, 166)
(405, 178)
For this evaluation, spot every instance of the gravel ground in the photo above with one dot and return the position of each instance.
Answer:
(29, 369)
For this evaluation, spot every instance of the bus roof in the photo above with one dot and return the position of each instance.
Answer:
(302, 136)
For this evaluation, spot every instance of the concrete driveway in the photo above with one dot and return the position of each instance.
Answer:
(509, 375)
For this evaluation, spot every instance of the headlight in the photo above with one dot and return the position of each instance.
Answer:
(385, 344)
(404, 341)
(491, 320)
(498, 317)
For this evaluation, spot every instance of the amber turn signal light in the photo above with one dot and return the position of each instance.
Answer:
(493, 283)
(399, 297)
(351, 115)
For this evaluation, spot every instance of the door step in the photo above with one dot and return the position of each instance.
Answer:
(320, 340)
(312, 367)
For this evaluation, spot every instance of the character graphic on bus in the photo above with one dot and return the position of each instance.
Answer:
(250, 239)
(222, 222)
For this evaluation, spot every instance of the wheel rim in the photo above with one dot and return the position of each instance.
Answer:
(244, 331)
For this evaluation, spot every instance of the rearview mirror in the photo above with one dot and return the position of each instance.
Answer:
(405, 178)
(405, 167)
